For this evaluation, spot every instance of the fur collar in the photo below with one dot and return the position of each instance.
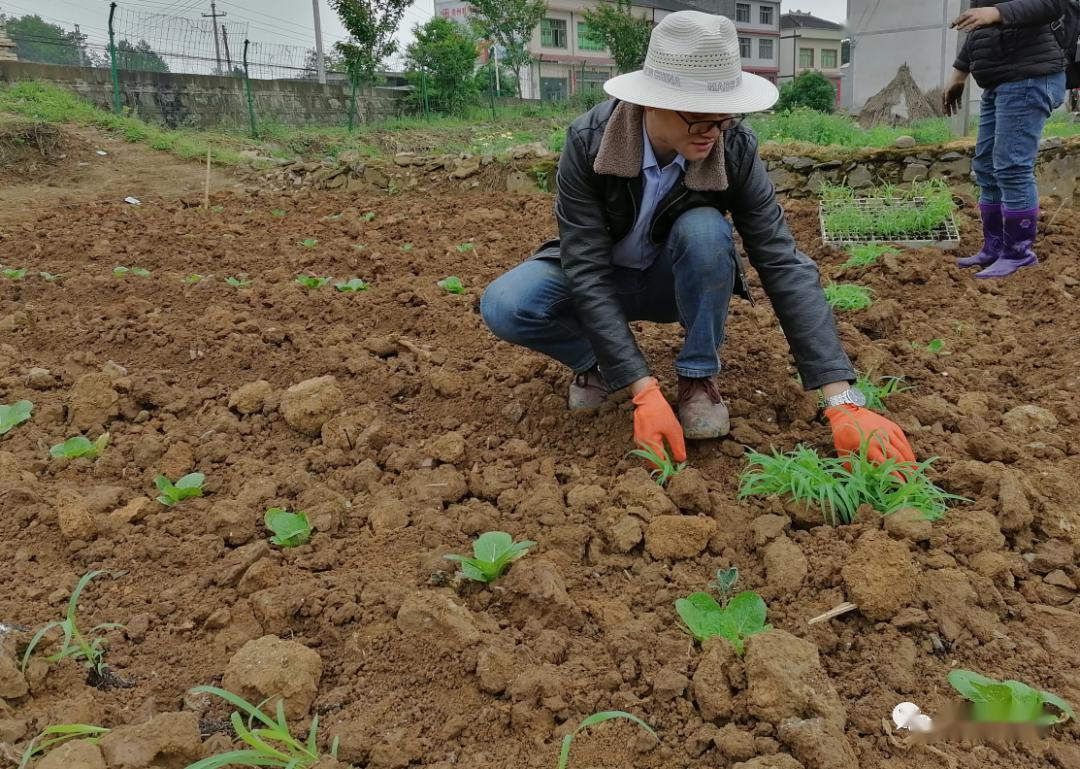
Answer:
(623, 145)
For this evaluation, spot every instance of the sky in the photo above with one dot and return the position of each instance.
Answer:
(285, 22)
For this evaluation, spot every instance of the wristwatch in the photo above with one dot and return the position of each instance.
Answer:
(851, 396)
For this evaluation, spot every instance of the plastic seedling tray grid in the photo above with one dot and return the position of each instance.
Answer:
(945, 235)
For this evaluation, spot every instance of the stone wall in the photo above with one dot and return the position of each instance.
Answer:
(205, 101)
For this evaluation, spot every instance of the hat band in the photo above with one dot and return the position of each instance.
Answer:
(693, 84)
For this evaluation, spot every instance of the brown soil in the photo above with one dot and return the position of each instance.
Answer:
(434, 432)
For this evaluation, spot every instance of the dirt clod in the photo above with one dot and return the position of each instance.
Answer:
(786, 680)
(77, 754)
(92, 402)
(712, 689)
(880, 576)
(169, 741)
(270, 668)
(436, 618)
(689, 491)
(785, 566)
(307, 406)
(677, 536)
(818, 744)
(249, 398)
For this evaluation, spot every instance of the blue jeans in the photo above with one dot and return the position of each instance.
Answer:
(1011, 121)
(690, 282)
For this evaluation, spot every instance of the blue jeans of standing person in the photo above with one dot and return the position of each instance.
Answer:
(1011, 121)
(690, 282)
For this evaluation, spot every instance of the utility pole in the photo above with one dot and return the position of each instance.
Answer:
(214, 15)
(320, 61)
(80, 38)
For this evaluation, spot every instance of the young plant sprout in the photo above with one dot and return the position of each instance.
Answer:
(664, 469)
(308, 242)
(311, 281)
(290, 529)
(1008, 702)
(352, 286)
(278, 213)
(848, 296)
(218, 209)
(461, 248)
(725, 582)
(877, 391)
(53, 736)
(333, 218)
(406, 247)
(188, 486)
(593, 720)
(367, 216)
(49, 277)
(139, 272)
(88, 649)
(195, 277)
(865, 254)
(492, 553)
(14, 414)
(736, 619)
(11, 274)
(271, 744)
(452, 285)
(80, 447)
(237, 282)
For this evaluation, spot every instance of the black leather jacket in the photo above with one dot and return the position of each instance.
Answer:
(1022, 46)
(599, 189)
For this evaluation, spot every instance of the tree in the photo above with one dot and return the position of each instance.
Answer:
(371, 25)
(38, 41)
(485, 80)
(333, 59)
(623, 33)
(139, 57)
(810, 89)
(509, 24)
(440, 63)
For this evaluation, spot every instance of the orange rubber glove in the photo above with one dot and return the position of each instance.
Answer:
(654, 421)
(852, 425)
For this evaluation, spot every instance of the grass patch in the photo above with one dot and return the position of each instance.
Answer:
(848, 296)
(866, 254)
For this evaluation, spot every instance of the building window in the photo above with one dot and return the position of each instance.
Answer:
(828, 58)
(553, 33)
(767, 15)
(806, 58)
(744, 47)
(845, 52)
(586, 42)
(765, 49)
(742, 13)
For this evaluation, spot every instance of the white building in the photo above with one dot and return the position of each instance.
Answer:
(809, 43)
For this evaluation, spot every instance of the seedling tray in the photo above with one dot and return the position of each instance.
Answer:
(945, 235)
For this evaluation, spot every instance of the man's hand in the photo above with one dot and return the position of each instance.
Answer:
(954, 92)
(852, 425)
(654, 421)
(976, 18)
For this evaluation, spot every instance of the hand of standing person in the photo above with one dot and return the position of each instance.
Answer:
(654, 420)
(954, 92)
(976, 18)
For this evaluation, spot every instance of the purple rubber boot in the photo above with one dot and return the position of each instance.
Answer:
(992, 225)
(1019, 231)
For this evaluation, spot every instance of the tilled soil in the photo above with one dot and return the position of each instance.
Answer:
(438, 432)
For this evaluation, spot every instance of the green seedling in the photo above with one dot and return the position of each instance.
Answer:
(195, 277)
(492, 553)
(218, 209)
(877, 391)
(1008, 702)
(664, 468)
(11, 274)
(139, 272)
(80, 447)
(462, 248)
(935, 347)
(333, 218)
(352, 286)
(237, 282)
(278, 213)
(88, 649)
(865, 254)
(188, 486)
(53, 736)
(888, 213)
(13, 415)
(737, 620)
(593, 720)
(452, 285)
(724, 582)
(407, 247)
(271, 744)
(290, 529)
(367, 216)
(838, 486)
(848, 296)
(48, 277)
(311, 281)
(308, 242)
(359, 246)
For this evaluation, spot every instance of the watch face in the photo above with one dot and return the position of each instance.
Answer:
(857, 396)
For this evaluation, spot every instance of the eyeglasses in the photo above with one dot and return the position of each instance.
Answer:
(700, 127)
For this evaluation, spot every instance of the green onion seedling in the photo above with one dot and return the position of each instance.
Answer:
(290, 529)
(14, 414)
(188, 486)
(49, 277)
(66, 732)
(237, 282)
(493, 551)
(877, 391)
(80, 447)
(848, 296)
(1008, 702)
(664, 468)
(737, 620)
(308, 242)
(311, 281)
(593, 720)
(11, 274)
(452, 285)
(352, 286)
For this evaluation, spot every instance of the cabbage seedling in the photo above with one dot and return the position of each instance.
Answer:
(452, 285)
(367, 217)
(308, 242)
(195, 277)
(14, 414)
(237, 282)
(66, 732)
(80, 446)
(311, 281)
(268, 745)
(48, 277)
(593, 720)
(290, 529)
(492, 553)
(1008, 702)
(139, 272)
(737, 620)
(407, 247)
(725, 582)
(188, 486)
(10, 274)
(278, 213)
(664, 469)
(461, 248)
(88, 649)
(352, 286)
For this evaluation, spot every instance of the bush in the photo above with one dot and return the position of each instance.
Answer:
(811, 90)
(440, 63)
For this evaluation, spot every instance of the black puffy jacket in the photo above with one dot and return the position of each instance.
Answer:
(1022, 46)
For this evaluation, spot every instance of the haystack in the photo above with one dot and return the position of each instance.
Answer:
(900, 103)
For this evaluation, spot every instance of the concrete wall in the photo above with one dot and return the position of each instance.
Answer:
(204, 101)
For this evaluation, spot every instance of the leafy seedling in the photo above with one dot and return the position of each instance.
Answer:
(333, 218)
(11, 274)
(194, 278)
(877, 391)
(13, 415)
(308, 242)
(290, 529)
(80, 447)
(452, 285)
(188, 486)
(311, 281)
(218, 209)
(271, 744)
(88, 649)
(53, 736)
(352, 286)
(935, 347)
(740, 618)
(492, 553)
(407, 247)
(367, 216)
(1008, 702)
(664, 468)
(237, 282)
(593, 720)
(139, 272)
(724, 582)
(49, 277)
(848, 296)
(278, 213)
(462, 248)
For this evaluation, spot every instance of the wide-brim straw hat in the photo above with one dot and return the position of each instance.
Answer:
(694, 65)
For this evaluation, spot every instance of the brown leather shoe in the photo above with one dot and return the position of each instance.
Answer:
(701, 409)
(587, 391)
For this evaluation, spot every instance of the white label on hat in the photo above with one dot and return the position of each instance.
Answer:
(693, 84)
